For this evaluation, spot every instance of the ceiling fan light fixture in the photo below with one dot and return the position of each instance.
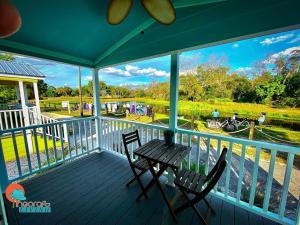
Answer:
(118, 10)
(161, 10)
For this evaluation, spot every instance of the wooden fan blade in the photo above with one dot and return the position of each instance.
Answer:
(161, 10)
(118, 10)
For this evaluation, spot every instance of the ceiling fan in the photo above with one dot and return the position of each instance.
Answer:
(162, 11)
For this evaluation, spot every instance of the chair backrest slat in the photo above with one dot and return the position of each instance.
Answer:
(128, 139)
(215, 174)
(214, 179)
(218, 163)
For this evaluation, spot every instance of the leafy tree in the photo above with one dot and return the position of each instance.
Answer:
(51, 91)
(158, 90)
(42, 86)
(75, 92)
(123, 92)
(270, 90)
(214, 80)
(139, 92)
(64, 91)
(190, 85)
(242, 90)
(7, 57)
(7, 93)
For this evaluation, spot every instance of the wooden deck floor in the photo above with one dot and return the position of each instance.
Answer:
(92, 190)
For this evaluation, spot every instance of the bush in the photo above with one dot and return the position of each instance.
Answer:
(287, 101)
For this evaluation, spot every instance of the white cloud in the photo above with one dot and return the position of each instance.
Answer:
(115, 71)
(130, 71)
(243, 69)
(88, 78)
(130, 68)
(133, 84)
(287, 52)
(273, 40)
(235, 45)
(296, 39)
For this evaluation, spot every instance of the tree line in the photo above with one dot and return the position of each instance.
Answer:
(277, 86)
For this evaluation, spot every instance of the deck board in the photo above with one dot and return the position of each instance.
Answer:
(216, 203)
(241, 216)
(92, 191)
(227, 215)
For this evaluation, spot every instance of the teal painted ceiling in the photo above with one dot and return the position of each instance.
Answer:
(76, 31)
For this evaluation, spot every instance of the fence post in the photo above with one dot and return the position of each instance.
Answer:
(298, 213)
(251, 132)
(192, 122)
(3, 172)
(65, 131)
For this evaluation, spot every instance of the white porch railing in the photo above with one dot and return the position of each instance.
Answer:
(249, 180)
(35, 118)
(245, 183)
(49, 150)
(11, 119)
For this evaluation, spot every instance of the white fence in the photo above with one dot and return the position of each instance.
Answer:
(11, 119)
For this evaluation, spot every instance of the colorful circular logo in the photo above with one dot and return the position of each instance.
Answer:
(15, 193)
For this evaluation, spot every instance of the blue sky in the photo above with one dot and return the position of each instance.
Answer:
(239, 56)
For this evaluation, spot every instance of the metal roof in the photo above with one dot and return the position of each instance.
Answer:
(21, 69)
(77, 32)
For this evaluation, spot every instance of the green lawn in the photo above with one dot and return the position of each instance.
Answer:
(200, 109)
(8, 147)
(282, 123)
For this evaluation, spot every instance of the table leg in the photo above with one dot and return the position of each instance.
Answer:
(161, 190)
(152, 182)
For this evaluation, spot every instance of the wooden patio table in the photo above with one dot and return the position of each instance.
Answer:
(156, 151)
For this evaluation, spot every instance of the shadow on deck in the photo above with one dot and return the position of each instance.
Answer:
(92, 190)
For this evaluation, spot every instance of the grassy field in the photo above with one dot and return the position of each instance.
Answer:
(201, 109)
(227, 108)
(281, 123)
(8, 148)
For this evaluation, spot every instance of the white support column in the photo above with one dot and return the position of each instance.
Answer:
(26, 115)
(23, 103)
(97, 106)
(174, 82)
(25, 93)
(37, 102)
(18, 93)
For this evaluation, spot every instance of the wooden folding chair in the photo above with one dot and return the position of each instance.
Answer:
(190, 182)
(139, 166)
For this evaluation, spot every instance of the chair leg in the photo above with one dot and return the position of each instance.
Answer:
(134, 178)
(131, 181)
(199, 215)
(140, 183)
(186, 205)
(151, 183)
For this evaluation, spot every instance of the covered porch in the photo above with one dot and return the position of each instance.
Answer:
(92, 190)
(84, 177)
